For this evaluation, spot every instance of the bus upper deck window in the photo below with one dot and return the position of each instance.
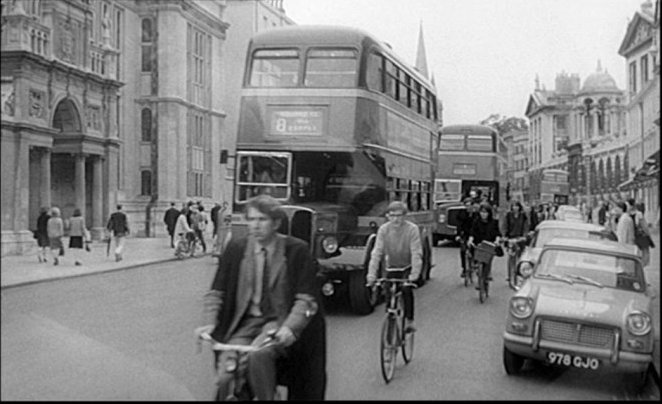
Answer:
(331, 68)
(275, 68)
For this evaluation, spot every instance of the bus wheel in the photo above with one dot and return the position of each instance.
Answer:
(361, 298)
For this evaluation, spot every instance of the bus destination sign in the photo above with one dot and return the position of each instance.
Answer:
(299, 122)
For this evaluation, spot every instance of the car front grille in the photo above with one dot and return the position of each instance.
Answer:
(576, 333)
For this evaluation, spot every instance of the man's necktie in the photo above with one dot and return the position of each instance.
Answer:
(265, 300)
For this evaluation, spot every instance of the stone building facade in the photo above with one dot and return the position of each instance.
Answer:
(640, 48)
(107, 102)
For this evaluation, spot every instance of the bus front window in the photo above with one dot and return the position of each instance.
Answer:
(262, 173)
(447, 190)
(275, 68)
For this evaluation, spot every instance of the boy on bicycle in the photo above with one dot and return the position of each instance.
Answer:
(399, 243)
(516, 224)
(485, 227)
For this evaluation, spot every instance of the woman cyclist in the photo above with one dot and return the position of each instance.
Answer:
(484, 228)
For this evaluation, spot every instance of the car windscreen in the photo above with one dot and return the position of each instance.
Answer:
(543, 236)
(602, 270)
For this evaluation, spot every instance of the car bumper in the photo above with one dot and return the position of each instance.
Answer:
(626, 361)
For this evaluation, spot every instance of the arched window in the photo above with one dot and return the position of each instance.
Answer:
(145, 182)
(594, 178)
(147, 30)
(146, 125)
(588, 124)
(603, 111)
(601, 175)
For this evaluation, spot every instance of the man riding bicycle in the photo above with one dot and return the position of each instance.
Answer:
(466, 219)
(516, 225)
(399, 243)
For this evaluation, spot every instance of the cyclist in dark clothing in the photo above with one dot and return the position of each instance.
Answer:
(516, 224)
(466, 219)
(484, 228)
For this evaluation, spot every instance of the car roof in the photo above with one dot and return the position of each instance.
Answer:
(563, 224)
(602, 246)
(568, 208)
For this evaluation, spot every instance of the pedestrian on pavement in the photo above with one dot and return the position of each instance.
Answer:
(214, 218)
(118, 225)
(182, 228)
(42, 234)
(77, 236)
(266, 283)
(170, 220)
(625, 225)
(602, 213)
(639, 221)
(398, 244)
(200, 222)
(55, 230)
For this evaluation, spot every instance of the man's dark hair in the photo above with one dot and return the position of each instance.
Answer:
(119, 207)
(268, 205)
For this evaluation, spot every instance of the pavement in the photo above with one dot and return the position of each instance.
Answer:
(26, 269)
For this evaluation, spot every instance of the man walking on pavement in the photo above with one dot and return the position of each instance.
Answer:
(119, 227)
(170, 219)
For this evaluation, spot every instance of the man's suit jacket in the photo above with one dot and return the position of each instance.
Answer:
(295, 298)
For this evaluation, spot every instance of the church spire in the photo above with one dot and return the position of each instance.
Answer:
(421, 59)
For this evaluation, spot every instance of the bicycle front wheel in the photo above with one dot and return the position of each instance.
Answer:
(389, 347)
(482, 284)
(407, 343)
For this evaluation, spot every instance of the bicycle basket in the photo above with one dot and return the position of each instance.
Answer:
(484, 253)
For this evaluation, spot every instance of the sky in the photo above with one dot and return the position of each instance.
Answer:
(485, 54)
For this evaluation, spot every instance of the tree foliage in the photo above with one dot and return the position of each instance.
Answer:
(504, 124)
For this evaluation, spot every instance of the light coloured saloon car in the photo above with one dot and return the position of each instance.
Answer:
(586, 305)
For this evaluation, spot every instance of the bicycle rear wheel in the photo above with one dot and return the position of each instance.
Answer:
(407, 342)
(389, 347)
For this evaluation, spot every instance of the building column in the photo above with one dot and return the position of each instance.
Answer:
(97, 199)
(79, 182)
(45, 186)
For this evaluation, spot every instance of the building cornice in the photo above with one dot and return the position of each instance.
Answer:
(180, 101)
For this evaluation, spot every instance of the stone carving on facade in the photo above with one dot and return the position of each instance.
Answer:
(8, 101)
(67, 45)
(94, 117)
(36, 107)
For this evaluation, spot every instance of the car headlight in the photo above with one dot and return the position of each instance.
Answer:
(329, 244)
(442, 218)
(639, 323)
(521, 307)
(525, 269)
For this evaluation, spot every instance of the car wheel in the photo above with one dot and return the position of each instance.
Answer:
(512, 362)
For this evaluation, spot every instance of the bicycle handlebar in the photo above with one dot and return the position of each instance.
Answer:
(219, 346)
(405, 282)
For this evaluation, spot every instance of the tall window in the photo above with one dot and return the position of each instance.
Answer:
(644, 69)
(145, 182)
(147, 39)
(199, 155)
(633, 77)
(199, 65)
(146, 125)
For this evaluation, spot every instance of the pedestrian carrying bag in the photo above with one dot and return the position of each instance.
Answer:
(641, 238)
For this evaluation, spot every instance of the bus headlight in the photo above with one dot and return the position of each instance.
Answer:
(639, 323)
(329, 244)
(525, 269)
(442, 218)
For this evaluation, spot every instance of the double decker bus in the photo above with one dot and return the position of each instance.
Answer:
(554, 187)
(469, 159)
(335, 125)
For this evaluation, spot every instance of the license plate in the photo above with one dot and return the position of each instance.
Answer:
(564, 359)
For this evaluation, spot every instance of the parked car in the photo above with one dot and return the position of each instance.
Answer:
(586, 305)
(569, 213)
(548, 229)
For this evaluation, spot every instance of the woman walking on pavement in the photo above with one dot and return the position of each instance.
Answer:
(55, 230)
(77, 230)
(42, 234)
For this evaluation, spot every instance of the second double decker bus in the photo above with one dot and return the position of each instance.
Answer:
(554, 187)
(469, 159)
(336, 126)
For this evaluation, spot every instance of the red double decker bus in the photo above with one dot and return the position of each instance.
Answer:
(336, 126)
(469, 159)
